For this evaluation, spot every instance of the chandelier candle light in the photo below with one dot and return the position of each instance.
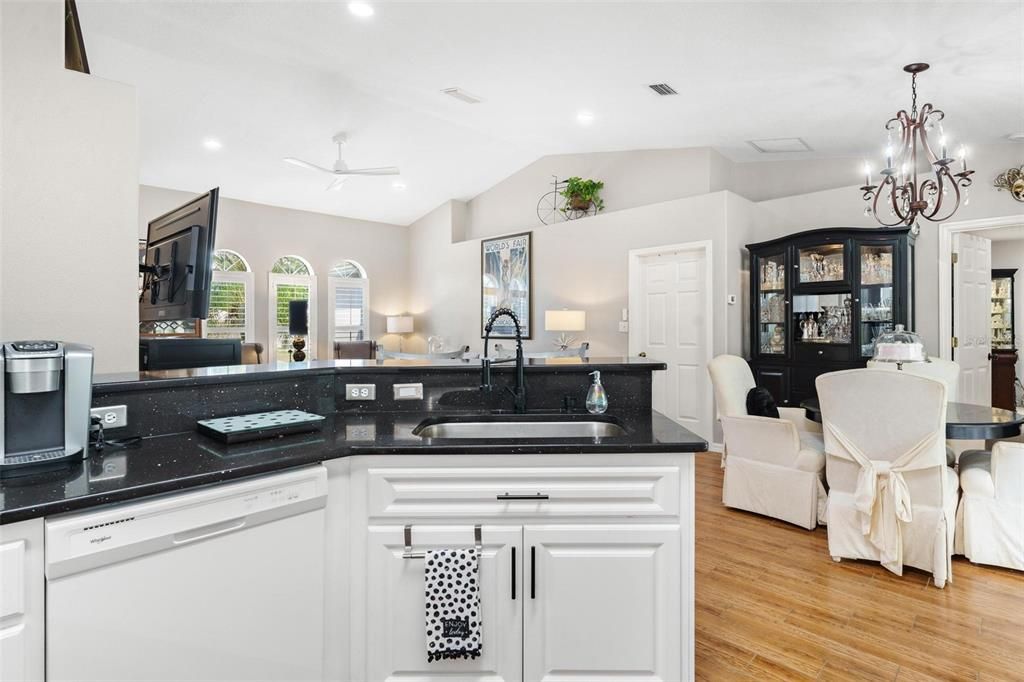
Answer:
(908, 197)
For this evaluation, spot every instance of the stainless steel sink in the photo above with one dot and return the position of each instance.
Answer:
(519, 429)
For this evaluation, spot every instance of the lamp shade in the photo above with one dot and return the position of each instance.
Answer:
(565, 320)
(399, 324)
(298, 318)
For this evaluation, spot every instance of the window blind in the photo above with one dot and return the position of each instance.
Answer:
(349, 313)
(228, 315)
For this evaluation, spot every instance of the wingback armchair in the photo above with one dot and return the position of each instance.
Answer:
(773, 467)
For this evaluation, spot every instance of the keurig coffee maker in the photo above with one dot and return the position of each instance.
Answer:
(45, 401)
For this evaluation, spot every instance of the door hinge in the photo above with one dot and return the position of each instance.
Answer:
(956, 342)
(955, 258)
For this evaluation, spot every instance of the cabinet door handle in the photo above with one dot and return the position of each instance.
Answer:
(514, 496)
(533, 571)
(513, 573)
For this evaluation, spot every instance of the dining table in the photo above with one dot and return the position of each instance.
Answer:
(964, 421)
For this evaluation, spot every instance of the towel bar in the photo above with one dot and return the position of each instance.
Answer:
(409, 554)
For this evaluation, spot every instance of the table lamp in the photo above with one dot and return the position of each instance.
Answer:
(565, 321)
(399, 324)
(298, 327)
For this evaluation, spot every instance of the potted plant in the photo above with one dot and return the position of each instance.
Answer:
(581, 194)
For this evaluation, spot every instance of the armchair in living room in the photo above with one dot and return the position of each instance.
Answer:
(774, 467)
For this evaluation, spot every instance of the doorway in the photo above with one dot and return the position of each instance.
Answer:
(967, 305)
(671, 319)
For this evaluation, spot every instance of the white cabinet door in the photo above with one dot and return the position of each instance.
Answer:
(396, 638)
(603, 603)
(21, 601)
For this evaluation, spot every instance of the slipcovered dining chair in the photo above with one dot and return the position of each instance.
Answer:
(891, 499)
(990, 519)
(773, 467)
(946, 371)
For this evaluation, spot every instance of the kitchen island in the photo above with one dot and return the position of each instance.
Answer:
(587, 541)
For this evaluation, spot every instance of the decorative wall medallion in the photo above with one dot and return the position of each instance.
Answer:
(1012, 181)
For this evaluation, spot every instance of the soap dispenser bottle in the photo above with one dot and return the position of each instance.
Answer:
(597, 399)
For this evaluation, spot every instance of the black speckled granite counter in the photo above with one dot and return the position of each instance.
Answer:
(174, 462)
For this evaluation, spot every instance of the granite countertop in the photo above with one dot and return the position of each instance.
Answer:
(180, 461)
(128, 381)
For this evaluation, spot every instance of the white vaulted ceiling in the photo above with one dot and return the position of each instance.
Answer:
(276, 79)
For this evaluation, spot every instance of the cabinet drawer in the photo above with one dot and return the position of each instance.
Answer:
(822, 352)
(475, 492)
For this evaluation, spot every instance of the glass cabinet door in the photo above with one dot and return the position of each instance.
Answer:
(821, 264)
(877, 310)
(1002, 312)
(771, 304)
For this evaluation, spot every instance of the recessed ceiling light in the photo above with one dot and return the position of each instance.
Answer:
(585, 117)
(1016, 137)
(400, 186)
(361, 9)
(213, 144)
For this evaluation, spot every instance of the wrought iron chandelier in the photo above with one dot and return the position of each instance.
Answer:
(900, 193)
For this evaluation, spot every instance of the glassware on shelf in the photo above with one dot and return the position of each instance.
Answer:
(773, 273)
(825, 318)
(876, 265)
(899, 346)
(822, 264)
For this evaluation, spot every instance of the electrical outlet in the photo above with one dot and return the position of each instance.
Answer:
(624, 327)
(408, 391)
(360, 392)
(112, 417)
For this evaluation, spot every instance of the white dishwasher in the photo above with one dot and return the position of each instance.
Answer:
(222, 583)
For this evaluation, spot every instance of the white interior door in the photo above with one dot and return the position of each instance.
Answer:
(603, 603)
(396, 641)
(671, 324)
(972, 289)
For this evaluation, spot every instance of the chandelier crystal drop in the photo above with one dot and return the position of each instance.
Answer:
(936, 196)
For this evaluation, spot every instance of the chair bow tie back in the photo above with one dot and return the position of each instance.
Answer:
(882, 497)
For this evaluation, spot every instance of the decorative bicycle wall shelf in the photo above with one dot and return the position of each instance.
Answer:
(554, 208)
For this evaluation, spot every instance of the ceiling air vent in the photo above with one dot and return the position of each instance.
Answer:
(663, 89)
(462, 95)
(780, 145)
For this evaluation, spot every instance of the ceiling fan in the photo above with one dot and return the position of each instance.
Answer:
(341, 171)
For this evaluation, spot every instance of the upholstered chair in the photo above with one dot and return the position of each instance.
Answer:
(946, 371)
(990, 519)
(773, 467)
(891, 499)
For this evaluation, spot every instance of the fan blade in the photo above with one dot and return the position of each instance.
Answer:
(336, 184)
(387, 170)
(306, 164)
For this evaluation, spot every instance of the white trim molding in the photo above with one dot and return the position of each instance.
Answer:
(946, 233)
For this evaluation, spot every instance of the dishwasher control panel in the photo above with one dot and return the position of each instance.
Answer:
(78, 541)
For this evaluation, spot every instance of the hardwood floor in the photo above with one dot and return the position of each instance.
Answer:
(771, 604)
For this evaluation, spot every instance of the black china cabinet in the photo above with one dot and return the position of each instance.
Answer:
(819, 299)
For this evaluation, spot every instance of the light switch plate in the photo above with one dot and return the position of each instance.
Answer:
(360, 392)
(408, 391)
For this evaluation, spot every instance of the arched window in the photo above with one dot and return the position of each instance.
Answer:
(292, 265)
(291, 279)
(231, 298)
(350, 296)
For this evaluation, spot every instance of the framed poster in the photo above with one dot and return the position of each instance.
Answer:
(506, 273)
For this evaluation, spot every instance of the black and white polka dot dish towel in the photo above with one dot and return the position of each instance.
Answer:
(452, 585)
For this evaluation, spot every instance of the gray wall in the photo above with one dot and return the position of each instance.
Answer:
(69, 194)
(262, 234)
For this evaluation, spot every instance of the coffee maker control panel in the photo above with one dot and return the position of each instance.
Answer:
(34, 346)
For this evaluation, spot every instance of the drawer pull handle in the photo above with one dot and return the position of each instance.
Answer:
(514, 496)
(513, 572)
